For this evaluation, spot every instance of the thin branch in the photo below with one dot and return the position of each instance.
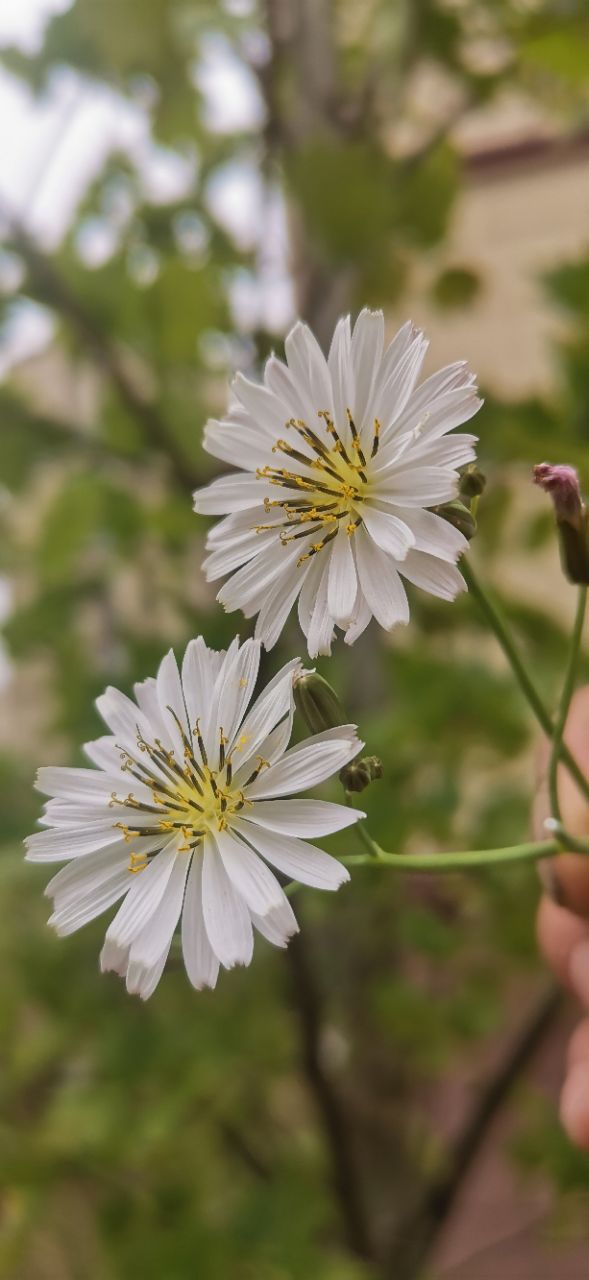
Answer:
(330, 1108)
(59, 294)
(414, 1240)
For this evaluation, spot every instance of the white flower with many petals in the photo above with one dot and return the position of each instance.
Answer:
(185, 808)
(340, 460)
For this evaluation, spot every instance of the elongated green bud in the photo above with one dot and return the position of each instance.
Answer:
(457, 514)
(360, 773)
(318, 703)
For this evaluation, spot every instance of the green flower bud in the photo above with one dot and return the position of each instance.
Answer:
(318, 703)
(458, 515)
(360, 773)
(472, 482)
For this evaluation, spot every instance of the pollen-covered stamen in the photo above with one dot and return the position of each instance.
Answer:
(323, 502)
(138, 862)
(196, 733)
(262, 764)
(356, 443)
(376, 438)
(318, 546)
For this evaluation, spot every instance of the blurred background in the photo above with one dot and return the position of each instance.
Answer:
(179, 180)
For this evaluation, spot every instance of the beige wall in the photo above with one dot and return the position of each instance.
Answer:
(509, 229)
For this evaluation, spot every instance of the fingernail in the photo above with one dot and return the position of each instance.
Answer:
(551, 882)
(579, 970)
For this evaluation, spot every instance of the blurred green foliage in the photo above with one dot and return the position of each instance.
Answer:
(189, 1138)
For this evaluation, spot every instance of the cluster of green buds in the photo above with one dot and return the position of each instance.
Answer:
(321, 708)
(462, 511)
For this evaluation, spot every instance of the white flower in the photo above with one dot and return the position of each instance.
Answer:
(182, 813)
(340, 459)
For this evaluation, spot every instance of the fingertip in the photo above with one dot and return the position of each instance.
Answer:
(559, 931)
(571, 871)
(578, 1050)
(579, 970)
(574, 1105)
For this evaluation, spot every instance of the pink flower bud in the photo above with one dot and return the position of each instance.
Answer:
(562, 483)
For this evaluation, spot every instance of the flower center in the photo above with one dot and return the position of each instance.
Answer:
(333, 482)
(188, 797)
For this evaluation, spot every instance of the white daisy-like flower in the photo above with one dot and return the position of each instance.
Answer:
(183, 811)
(340, 460)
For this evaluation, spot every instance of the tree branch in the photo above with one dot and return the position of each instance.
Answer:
(414, 1239)
(346, 1183)
(59, 295)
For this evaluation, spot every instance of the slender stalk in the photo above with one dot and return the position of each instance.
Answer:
(565, 702)
(531, 852)
(526, 684)
(362, 832)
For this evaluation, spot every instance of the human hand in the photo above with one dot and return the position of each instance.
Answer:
(563, 915)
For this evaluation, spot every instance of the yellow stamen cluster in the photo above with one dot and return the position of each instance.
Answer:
(189, 798)
(319, 503)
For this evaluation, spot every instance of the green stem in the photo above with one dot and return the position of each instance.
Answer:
(361, 831)
(565, 702)
(526, 685)
(458, 861)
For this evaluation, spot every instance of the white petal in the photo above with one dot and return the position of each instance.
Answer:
(239, 682)
(447, 451)
(124, 719)
(320, 637)
(395, 392)
(301, 861)
(390, 533)
(142, 981)
(278, 926)
(308, 596)
(83, 875)
(237, 444)
(113, 959)
(382, 587)
(308, 366)
(70, 842)
(86, 887)
(265, 409)
(248, 874)
(342, 583)
(433, 575)
(143, 897)
(225, 559)
(147, 699)
(247, 589)
(417, 486)
(199, 673)
(361, 619)
(366, 355)
(277, 606)
(300, 817)
(171, 703)
(339, 362)
(235, 492)
(88, 786)
(156, 935)
(269, 709)
(226, 916)
(435, 535)
(307, 764)
(200, 960)
(104, 754)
